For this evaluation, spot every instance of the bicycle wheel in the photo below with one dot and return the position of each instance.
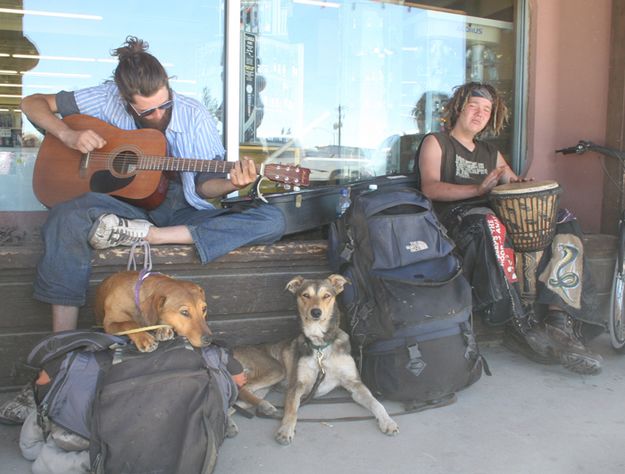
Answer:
(616, 319)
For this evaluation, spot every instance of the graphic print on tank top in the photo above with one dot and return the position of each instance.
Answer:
(465, 168)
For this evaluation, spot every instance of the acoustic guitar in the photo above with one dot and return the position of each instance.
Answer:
(129, 167)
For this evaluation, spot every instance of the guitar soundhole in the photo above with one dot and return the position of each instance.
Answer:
(125, 163)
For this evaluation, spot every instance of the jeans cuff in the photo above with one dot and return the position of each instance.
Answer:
(194, 235)
(60, 301)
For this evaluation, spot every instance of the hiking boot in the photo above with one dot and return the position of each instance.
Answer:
(110, 230)
(530, 341)
(573, 354)
(14, 411)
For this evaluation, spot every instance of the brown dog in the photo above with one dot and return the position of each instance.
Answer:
(125, 302)
(322, 347)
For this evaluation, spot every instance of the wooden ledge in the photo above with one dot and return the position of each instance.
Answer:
(27, 256)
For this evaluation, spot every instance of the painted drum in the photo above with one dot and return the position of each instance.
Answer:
(528, 210)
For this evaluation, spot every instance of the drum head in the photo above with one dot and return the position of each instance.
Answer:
(525, 187)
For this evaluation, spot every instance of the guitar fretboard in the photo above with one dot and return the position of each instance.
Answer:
(166, 163)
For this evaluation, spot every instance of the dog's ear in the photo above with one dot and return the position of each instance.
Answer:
(151, 309)
(295, 284)
(200, 291)
(338, 282)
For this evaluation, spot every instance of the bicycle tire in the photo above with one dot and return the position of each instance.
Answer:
(616, 318)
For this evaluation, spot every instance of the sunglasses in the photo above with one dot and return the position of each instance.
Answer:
(164, 106)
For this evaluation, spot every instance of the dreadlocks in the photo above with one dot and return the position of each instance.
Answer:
(462, 94)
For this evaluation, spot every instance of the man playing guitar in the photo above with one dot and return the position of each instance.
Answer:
(139, 97)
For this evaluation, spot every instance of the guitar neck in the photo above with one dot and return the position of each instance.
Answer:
(167, 163)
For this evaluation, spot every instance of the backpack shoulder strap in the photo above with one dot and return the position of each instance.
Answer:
(61, 343)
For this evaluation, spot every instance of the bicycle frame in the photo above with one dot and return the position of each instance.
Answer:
(616, 320)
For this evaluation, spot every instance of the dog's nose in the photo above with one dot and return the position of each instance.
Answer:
(206, 340)
(315, 313)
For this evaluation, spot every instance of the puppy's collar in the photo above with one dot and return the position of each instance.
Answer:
(322, 372)
(315, 347)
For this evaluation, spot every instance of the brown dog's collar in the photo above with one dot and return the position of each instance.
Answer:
(143, 274)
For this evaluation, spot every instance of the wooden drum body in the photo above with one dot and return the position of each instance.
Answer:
(529, 211)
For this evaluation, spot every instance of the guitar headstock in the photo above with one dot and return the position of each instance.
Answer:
(287, 174)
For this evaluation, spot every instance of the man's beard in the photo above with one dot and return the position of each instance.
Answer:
(160, 125)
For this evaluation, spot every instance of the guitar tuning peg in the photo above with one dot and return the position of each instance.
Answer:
(287, 187)
(296, 188)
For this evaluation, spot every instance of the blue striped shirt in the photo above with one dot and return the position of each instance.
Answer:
(191, 132)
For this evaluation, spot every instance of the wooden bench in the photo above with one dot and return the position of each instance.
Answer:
(245, 291)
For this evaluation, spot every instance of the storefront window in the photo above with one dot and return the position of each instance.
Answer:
(349, 88)
(345, 88)
(65, 45)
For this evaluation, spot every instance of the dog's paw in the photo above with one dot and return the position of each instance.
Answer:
(266, 408)
(145, 342)
(388, 427)
(285, 435)
(151, 348)
(231, 428)
(164, 334)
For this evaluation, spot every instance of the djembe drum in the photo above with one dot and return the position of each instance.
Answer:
(529, 211)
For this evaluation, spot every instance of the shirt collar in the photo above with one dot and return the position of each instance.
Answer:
(176, 122)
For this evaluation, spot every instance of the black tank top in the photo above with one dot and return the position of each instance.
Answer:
(462, 166)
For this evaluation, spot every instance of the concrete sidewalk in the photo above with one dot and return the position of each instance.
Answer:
(526, 418)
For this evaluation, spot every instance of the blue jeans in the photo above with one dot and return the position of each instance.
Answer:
(63, 272)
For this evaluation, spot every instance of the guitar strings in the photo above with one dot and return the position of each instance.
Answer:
(149, 162)
(153, 162)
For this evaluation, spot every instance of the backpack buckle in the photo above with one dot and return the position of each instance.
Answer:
(346, 253)
(415, 364)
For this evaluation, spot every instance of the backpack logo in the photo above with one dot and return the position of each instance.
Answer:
(416, 246)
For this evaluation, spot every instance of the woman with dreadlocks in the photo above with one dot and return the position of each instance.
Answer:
(457, 171)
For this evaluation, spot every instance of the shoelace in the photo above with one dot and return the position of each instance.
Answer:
(147, 256)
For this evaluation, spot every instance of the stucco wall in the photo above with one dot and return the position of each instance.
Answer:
(568, 83)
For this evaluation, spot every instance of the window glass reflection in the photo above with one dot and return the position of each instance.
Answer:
(64, 45)
(348, 89)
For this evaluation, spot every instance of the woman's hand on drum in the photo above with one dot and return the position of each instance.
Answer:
(491, 180)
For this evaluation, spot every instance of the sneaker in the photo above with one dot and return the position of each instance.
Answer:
(110, 230)
(15, 411)
(574, 355)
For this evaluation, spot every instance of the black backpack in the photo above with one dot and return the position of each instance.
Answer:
(408, 308)
(163, 411)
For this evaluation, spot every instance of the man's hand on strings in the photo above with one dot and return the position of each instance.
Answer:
(82, 140)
